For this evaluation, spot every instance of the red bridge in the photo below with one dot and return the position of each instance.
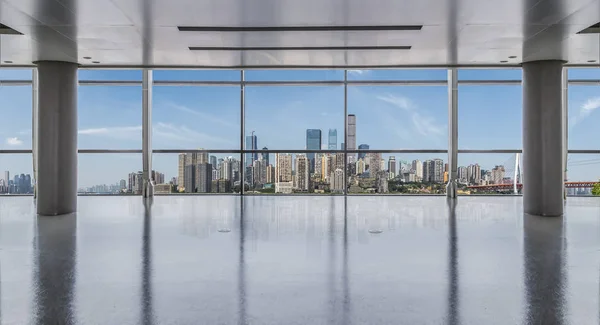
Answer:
(497, 187)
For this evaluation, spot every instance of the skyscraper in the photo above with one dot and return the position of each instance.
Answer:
(213, 162)
(332, 140)
(251, 144)
(7, 177)
(438, 171)
(204, 178)
(498, 174)
(189, 178)
(351, 145)
(302, 173)
(270, 174)
(362, 147)
(313, 142)
(427, 171)
(392, 165)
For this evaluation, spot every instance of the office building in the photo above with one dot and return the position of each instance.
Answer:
(313, 142)
(332, 139)
(302, 173)
(520, 73)
(213, 162)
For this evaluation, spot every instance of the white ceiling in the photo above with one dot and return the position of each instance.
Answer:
(144, 32)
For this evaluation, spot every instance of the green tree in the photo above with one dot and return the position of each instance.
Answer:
(596, 189)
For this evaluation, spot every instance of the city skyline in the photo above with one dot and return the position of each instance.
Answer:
(389, 117)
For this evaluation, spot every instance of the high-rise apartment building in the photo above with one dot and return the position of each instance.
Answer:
(270, 174)
(325, 166)
(332, 139)
(260, 173)
(302, 173)
(362, 154)
(189, 178)
(181, 171)
(251, 144)
(374, 161)
(438, 171)
(474, 174)
(313, 142)
(462, 174)
(283, 167)
(351, 137)
(498, 174)
(417, 167)
(381, 181)
(337, 181)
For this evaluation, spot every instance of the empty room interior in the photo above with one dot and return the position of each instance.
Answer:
(300, 162)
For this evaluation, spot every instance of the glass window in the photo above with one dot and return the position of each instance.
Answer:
(16, 74)
(584, 73)
(490, 74)
(198, 75)
(110, 117)
(398, 74)
(398, 173)
(294, 173)
(110, 75)
(398, 117)
(16, 112)
(201, 173)
(16, 174)
(584, 117)
(582, 168)
(191, 117)
(489, 173)
(293, 75)
(490, 117)
(281, 117)
(114, 173)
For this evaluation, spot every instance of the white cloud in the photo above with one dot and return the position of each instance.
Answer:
(169, 133)
(14, 142)
(421, 122)
(586, 109)
(205, 117)
(357, 72)
(117, 132)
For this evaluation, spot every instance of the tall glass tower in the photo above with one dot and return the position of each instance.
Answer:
(251, 142)
(313, 142)
(332, 144)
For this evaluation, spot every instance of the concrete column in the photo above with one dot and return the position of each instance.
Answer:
(56, 138)
(148, 182)
(543, 138)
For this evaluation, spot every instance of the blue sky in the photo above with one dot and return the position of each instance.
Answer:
(388, 117)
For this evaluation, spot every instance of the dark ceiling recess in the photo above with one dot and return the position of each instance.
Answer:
(5, 30)
(300, 48)
(299, 28)
(594, 29)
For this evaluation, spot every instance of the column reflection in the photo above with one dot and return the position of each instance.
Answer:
(544, 259)
(55, 254)
(147, 311)
(453, 315)
(242, 306)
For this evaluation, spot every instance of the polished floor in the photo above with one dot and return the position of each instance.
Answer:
(299, 260)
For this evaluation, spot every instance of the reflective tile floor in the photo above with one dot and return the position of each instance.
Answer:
(299, 260)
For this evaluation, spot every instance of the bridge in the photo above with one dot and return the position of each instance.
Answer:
(498, 187)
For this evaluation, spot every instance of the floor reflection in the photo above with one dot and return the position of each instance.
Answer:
(544, 259)
(55, 246)
(344, 267)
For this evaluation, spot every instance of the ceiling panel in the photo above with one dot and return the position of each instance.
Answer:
(144, 33)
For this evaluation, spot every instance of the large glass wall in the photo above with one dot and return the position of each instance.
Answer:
(299, 131)
(16, 160)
